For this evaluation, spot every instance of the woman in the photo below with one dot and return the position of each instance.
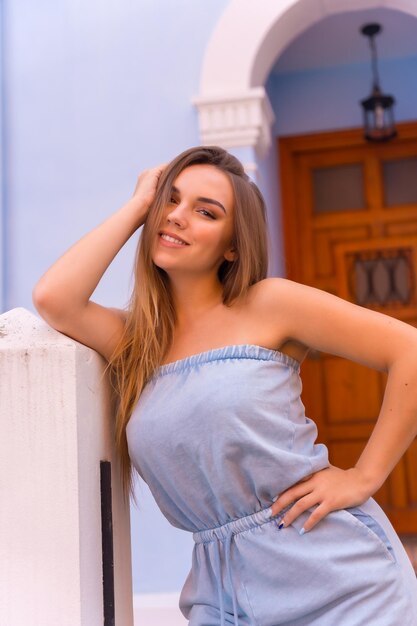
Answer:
(206, 363)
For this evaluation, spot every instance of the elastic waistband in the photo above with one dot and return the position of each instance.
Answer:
(236, 525)
(227, 531)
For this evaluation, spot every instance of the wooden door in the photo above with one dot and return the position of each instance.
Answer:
(350, 222)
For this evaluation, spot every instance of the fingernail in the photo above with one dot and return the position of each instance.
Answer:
(301, 531)
(280, 525)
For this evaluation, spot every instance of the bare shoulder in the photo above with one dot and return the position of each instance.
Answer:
(298, 307)
(274, 294)
(271, 287)
(270, 307)
(289, 295)
(327, 323)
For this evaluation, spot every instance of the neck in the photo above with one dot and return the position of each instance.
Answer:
(194, 297)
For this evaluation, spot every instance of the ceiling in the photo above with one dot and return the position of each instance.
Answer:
(336, 40)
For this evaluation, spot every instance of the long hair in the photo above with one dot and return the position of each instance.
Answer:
(151, 316)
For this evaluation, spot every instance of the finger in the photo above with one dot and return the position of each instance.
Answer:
(316, 516)
(303, 504)
(290, 495)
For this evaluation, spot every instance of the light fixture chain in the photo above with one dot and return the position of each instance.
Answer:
(374, 63)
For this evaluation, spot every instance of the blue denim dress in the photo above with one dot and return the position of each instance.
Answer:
(217, 436)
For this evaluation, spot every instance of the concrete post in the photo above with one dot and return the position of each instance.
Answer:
(56, 430)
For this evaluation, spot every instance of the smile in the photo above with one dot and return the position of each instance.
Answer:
(168, 240)
(172, 240)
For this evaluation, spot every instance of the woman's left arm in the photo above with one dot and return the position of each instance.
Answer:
(330, 324)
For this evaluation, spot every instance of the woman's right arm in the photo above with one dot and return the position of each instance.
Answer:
(62, 294)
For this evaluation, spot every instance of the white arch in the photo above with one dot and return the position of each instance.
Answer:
(250, 36)
(234, 109)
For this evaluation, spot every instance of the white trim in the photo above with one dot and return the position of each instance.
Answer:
(233, 107)
(236, 120)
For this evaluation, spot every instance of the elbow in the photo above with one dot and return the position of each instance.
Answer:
(40, 298)
(45, 304)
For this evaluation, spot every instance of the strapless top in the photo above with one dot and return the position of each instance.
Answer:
(220, 434)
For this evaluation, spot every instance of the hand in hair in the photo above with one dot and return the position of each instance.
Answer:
(146, 185)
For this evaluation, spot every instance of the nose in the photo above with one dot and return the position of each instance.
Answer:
(177, 215)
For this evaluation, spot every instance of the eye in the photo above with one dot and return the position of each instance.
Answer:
(209, 214)
(172, 200)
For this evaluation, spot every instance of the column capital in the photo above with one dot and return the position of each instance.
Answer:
(236, 119)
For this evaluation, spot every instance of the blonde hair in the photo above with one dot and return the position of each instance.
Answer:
(151, 316)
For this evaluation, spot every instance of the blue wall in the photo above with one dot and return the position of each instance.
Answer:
(328, 99)
(94, 94)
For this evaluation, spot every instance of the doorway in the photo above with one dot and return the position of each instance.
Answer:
(350, 228)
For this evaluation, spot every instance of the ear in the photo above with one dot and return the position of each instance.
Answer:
(230, 254)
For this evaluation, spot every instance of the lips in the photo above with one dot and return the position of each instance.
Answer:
(165, 232)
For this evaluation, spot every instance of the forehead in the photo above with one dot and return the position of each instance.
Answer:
(205, 180)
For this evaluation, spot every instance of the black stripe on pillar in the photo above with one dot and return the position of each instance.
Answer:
(107, 544)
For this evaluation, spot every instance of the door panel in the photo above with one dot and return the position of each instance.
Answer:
(379, 274)
(350, 222)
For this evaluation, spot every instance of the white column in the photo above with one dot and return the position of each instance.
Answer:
(56, 428)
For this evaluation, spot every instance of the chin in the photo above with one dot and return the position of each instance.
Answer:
(163, 265)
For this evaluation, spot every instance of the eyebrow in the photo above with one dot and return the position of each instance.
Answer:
(202, 199)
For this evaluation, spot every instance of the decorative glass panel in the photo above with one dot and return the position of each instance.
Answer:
(338, 188)
(382, 278)
(400, 181)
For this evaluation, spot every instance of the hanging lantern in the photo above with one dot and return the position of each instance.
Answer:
(378, 108)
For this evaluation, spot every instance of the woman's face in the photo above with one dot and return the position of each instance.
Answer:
(200, 213)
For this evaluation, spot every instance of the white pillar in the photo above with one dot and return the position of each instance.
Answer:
(56, 428)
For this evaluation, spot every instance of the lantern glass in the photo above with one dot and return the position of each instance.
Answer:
(379, 118)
